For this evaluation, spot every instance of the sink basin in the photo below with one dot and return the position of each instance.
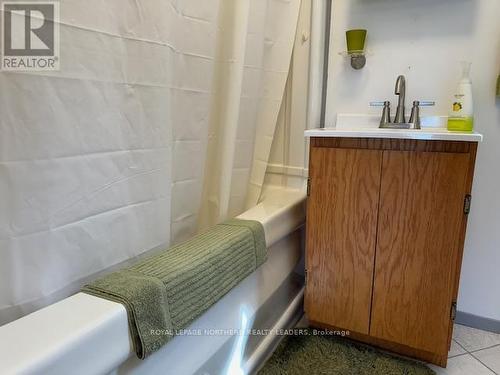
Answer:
(350, 121)
(367, 126)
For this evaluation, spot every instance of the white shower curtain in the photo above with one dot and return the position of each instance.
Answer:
(254, 48)
(107, 158)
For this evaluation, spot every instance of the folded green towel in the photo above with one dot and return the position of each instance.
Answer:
(166, 292)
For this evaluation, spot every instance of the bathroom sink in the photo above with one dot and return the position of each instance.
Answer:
(367, 126)
(349, 121)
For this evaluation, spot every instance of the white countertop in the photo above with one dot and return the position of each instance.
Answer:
(366, 126)
(422, 134)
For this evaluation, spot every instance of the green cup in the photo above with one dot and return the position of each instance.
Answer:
(355, 40)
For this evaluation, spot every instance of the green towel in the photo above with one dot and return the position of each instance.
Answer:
(166, 292)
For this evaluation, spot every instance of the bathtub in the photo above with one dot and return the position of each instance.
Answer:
(84, 334)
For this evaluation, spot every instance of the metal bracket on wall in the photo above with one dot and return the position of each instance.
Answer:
(358, 61)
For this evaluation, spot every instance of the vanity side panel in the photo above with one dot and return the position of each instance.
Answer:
(461, 242)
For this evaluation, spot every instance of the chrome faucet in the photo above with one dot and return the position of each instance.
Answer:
(400, 90)
(400, 119)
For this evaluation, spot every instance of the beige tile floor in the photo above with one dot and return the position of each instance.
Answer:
(472, 352)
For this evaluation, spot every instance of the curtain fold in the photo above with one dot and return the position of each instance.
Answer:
(253, 64)
(148, 132)
(223, 125)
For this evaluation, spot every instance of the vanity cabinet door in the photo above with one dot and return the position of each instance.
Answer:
(418, 244)
(341, 235)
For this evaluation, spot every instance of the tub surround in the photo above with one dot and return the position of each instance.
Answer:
(386, 218)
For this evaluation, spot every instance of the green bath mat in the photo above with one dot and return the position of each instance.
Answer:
(329, 355)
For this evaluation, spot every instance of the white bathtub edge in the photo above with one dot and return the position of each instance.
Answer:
(65, 332)
(280, 212)
(68, 334)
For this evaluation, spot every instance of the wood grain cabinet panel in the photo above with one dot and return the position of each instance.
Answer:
(341, 235)
(418, 242)
(385, 234)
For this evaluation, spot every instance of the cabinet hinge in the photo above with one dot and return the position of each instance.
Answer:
(308, 186)
(467, 200)
(453, 311)
(305, 276)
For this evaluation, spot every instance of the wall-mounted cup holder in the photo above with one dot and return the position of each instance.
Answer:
(355, 40)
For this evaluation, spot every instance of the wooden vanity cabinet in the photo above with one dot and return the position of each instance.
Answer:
(386, 223)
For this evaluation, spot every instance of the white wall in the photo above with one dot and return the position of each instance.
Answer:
(424, 40)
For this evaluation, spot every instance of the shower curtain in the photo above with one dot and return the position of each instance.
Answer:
(158, 123)
(252, 63)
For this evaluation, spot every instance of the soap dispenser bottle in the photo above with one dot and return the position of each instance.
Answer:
(461, 114)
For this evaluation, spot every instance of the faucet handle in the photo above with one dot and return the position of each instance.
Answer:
(424, 103)
(386, 112)
(381, 103)
(415, 111)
